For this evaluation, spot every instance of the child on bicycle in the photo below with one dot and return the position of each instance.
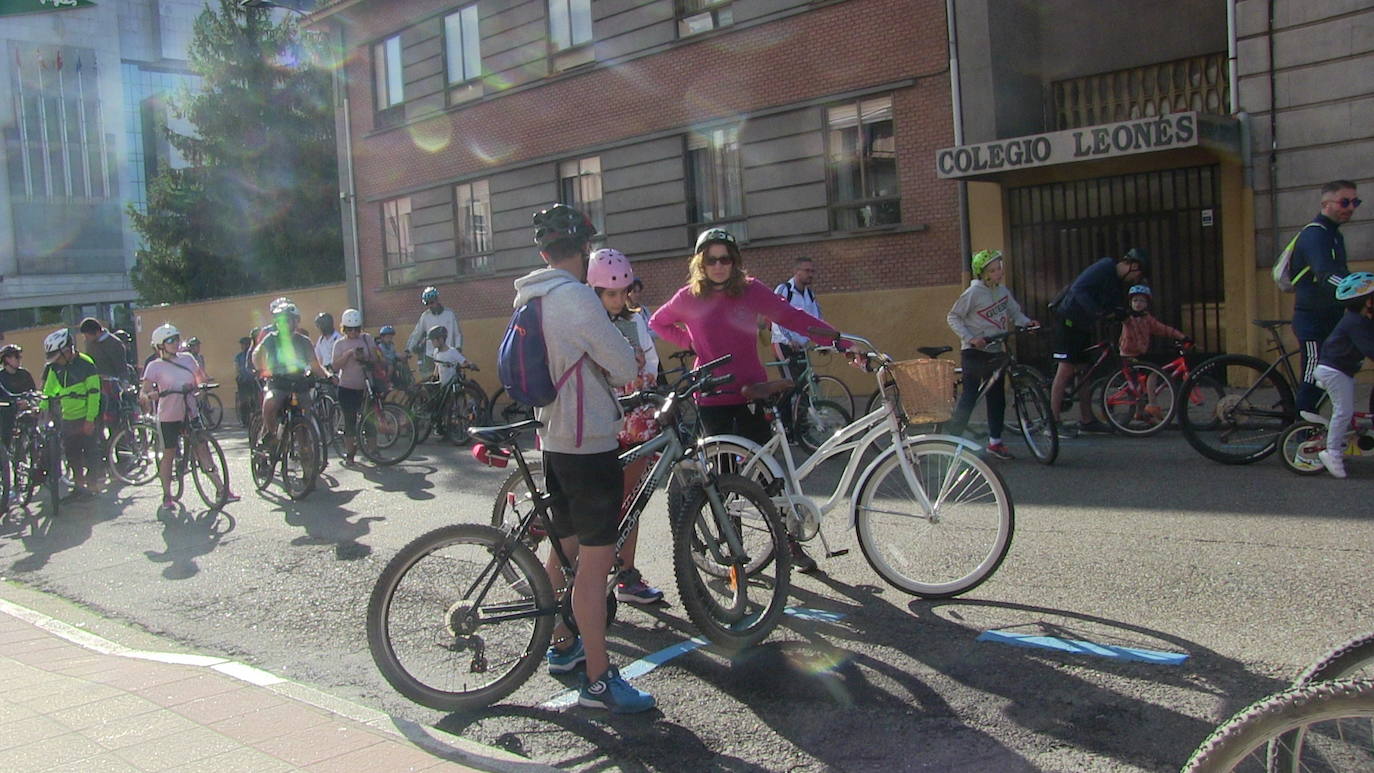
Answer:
(610, 275)
(447, 360)
(985, 308)
(1341, 356)
(1136, 331)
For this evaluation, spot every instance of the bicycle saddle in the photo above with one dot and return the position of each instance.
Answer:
(934, 351)
(505, 435)
(1268, 324)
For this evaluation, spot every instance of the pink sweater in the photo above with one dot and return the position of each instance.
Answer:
(719, 324)
(1136, 333)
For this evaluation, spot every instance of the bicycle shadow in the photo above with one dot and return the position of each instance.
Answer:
(411, 480)
(188, 535)
(327, 522)
(48, 535)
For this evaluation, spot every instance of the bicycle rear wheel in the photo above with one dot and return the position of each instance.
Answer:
(950, 550)
(204, 472)
(214, 410)
(387, 437)
(1033, 417)
(1138, 401)
(1352, 660)
(1242, 425)
(1299, 446)
(731, 606)
(464, 408)
(445, 640)
(814, 421)
(133, 454)
(1327, 726)
(506, 411)
(513, 503)
(1202, 392)
(836, 391)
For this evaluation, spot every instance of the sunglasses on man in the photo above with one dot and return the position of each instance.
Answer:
(1347, 203)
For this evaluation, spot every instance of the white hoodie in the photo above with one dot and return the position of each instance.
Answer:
(576, 325)
(982, 311)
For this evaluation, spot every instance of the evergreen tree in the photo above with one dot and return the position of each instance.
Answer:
(258, 208)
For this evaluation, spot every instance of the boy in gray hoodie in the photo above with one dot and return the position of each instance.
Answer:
(984, 309)
(580, 447)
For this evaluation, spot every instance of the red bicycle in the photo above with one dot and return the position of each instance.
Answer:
(1203, 391)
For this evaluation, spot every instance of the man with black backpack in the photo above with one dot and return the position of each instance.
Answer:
(584, 355)
(796, 291)
(1318, 266)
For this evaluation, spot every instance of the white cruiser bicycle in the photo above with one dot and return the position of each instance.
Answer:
(934, 520)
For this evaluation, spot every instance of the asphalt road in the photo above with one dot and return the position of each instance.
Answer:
(1251, 572)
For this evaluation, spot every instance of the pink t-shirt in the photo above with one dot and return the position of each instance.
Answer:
(170, 376)
(719, 324)
(352, 375)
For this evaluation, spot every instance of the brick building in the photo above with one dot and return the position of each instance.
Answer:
(808, 128)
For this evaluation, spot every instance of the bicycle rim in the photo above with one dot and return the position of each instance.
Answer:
(1328, 726)
(731, 607)
(425, 620)
(1244, 424)
(464, 408)
(946, 553)
(300, 467)
(1138, 401)
(387, 437)
(204, 475)
(133, 454)
(727, 459)
(1299, 446)
(1033, 418)
(816, 421)
(836, 391)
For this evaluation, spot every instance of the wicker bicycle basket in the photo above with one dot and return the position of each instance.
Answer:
(927, 389)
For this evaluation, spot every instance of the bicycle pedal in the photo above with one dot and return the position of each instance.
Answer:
(837, 553)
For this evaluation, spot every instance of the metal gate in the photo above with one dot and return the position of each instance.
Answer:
(1059, 229)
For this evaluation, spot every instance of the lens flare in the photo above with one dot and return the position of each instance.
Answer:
(431, 136)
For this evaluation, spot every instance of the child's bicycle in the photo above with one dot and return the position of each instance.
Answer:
(462, 616)
(1300, 443)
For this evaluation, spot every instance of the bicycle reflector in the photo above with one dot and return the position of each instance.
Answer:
(490, 458)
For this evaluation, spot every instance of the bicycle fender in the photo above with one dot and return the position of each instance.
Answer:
(864, 477)
(774, 468)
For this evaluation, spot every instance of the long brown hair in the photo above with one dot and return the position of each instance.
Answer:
(702, 286)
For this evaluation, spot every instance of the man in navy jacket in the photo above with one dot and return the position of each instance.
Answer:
(1319, 265)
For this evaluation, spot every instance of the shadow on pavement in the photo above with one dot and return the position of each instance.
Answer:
(188, 535)
(47, 536)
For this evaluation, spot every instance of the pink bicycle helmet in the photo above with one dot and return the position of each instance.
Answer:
(609, 269)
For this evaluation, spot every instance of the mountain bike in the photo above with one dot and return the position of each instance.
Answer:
(385, 432)
(462, 616)
(211, 409)
(293, 457)
(933, 518)
(196, 451)
(449, 409)
(1203, 391)
(1301, 442)
(36, 458)
(1246, 403)
(1325, 721)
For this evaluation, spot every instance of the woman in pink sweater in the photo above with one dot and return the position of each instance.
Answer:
(716, 314)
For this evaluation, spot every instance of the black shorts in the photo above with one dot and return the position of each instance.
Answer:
(1071, 339)
(587, 490)
(281, 386)
(351, 403)
(171, 430)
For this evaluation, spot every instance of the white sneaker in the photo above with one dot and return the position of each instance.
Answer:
(1333, 463)
(1315, 418)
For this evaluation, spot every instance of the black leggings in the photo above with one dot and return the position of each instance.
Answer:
(735, 420)
(978, 365)
(351, 403)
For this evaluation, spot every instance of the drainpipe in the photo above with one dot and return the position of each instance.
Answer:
(956, 100)
(1232, 76)
(353, 274)
(1273, 146)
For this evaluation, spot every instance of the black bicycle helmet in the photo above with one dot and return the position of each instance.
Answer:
(9, 349)
(324, 319)
(1141, 257)
(561, 223)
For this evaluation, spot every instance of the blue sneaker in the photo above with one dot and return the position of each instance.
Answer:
(631, 588)
(612, 692)
(563, 661)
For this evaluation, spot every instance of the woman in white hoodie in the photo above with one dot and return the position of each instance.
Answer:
(984, 309)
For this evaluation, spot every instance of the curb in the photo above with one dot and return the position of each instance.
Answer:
(446, 745)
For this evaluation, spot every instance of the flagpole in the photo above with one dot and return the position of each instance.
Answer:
(43, 130)
(62, 123)
(81, 116)
(23, 127)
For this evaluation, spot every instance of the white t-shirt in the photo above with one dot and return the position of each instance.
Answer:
(324, 348)
(448, 361)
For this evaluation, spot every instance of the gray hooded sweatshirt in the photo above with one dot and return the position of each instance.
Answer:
(983, 311)
(576, 326)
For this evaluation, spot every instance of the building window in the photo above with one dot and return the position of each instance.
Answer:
(697, 16)
(570, 23)
(462, 45)
(862, 154)
(397, 244)
(473, 226)
(390, 83)
(579, 184)
(715, 188)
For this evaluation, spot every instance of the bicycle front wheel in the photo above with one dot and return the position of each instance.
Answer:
(465, 408)
(208, 469)
(732, 607)
(1139, 400)
(506, 411)
(300, 463)
(815, 421)
(836, 391)
(1299, 446)
(1244, 422)
(1327, 726)
(1352, 660)
(52, 461)
(133, 454)
(950, 548)
(214, 410)
(386, 437)
(1033, 416)
(451, 631)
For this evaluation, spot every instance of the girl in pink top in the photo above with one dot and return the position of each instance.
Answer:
(716, 314)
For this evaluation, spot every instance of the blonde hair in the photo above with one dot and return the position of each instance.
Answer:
(702, 286)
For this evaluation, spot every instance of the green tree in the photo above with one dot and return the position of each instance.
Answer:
(258, 207)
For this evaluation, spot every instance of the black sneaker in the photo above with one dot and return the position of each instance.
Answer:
(800, 560)
(1095, 427)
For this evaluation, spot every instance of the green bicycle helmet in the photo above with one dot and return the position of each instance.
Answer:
(981, 260)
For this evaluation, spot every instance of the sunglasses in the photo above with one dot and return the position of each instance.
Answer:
(1346, 203)
(728, 260)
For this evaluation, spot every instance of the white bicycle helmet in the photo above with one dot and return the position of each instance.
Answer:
(56, 342)
(163, 332)
(351, 318)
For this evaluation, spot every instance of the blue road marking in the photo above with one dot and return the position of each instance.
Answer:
(1079, 647)
(649, 662)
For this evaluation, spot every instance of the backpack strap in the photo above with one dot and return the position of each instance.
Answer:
(1293, 245)
(785, 290)
(576, 367)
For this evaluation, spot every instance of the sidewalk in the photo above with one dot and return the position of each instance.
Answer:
(95, 705)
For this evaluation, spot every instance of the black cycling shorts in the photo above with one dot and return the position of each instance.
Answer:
(171, 430)
(1071, 339)
(587, 490)
(351, 402)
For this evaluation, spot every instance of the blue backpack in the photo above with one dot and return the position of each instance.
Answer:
(522, 362)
